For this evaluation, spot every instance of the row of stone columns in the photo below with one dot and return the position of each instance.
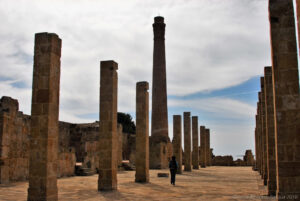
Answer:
(44, 122)
(277, 133)
(192, 159)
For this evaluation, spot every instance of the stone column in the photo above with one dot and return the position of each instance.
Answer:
(258, 153)
(286, 97)
(207, 151)
(263, 128)
(187, 142)
(298, 19)
(108, 140)
(120, 144)
(270, 133)
(195, 156)
(177, 148)
(159, 123)
(261, 137)
(203, 146)
(142, 132)
(44, 118)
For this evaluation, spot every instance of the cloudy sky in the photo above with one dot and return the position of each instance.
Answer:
(215, 53)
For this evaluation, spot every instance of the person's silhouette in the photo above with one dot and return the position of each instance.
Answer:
(173, 169)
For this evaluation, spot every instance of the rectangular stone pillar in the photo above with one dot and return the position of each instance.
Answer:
(207, 151)
(264, 135)
(177, 147)
(120, 144)
(203, 146)
(108, 126)
(261, 136)
(258, 153)
(142, 132)
(195, 156)
(187, 142)
(270, 133)
(286, 97)
(44, 118)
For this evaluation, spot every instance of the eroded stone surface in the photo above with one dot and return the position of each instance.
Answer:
(108, 139)
(203, 159)
(187, 141)
(44, 118)
(270, 133)
(195, 134)
(286, 96)
(177, 141)
(142, 132)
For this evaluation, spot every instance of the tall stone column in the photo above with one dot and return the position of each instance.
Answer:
(261, 136)
(298, 19)
(203, 146)
(108, 139)
(142, 132)
(286, 97)
(270, 133)
(195, 155)
(256, 147)
(258, 153)
(177, 148)
(44, 118)
(187, 141)
(207, 151)
(263, 127)
(159, 123)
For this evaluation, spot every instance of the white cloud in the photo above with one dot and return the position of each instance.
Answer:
(222, 107)
(210, 45)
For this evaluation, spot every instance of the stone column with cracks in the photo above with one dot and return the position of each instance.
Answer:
(177, 140)
(270, 133)
(142, 132)
(44, 118)
(203, 146)
(286, 97)
(195, 133)
(108, 139)
(187, 141)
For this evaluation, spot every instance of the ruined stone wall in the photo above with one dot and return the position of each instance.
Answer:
(77, 143)
(223, 161)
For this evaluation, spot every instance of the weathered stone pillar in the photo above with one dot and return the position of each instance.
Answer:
(108, 140)
(177, 148)
(159, 140)
(44, 118)
(261, 137)
(120, 144)
(203, 146)
(256, 147)
(263, 127)
(286, 98)
(298, 19)
(257, 133)
(142, 132)
(207, 138)
(187, 141)
(270, 133)
(195, 156)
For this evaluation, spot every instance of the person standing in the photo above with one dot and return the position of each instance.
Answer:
(173, 169)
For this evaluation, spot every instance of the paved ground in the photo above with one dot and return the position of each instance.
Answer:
(212, 183)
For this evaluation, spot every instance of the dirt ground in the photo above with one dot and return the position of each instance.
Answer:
(212, 183)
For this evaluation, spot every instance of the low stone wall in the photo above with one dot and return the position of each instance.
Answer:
(77, 143)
